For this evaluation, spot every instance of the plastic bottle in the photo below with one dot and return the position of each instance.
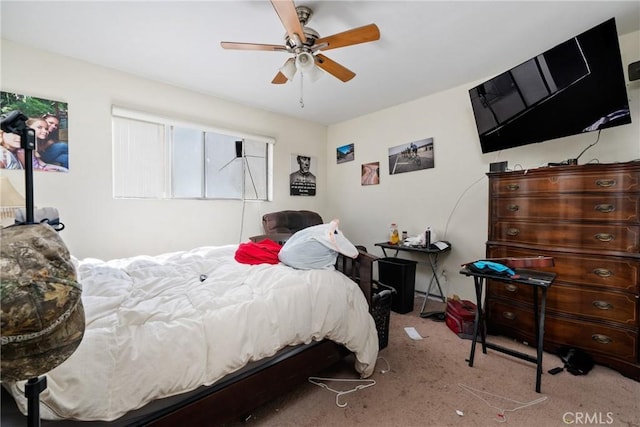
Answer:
(394, 238)
(427, 237)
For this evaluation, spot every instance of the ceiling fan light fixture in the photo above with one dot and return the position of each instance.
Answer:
(289, 69)
(305, 62)
(314, 74)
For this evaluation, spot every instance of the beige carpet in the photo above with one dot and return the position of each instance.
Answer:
(422, 386)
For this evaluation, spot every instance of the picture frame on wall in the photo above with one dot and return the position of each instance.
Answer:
(410, 157)
(50, 121)
(370, 173)
(345, 153)
(302, 179)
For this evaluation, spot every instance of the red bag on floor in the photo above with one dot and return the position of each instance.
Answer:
(459, 317)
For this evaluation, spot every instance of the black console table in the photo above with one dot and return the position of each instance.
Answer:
(535, 279)
(432, 252)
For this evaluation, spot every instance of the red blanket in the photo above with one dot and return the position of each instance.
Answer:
(263, 252)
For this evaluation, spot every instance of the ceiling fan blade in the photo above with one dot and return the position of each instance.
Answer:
(252, 46)
(334, 68)
(279, 79)
(286, 11)
(368, 33)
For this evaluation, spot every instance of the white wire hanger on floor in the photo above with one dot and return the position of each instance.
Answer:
(502, 418)
(363, 383)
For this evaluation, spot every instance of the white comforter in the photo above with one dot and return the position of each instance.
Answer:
(160, 326)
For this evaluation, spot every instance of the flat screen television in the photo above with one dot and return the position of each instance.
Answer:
(577, 86)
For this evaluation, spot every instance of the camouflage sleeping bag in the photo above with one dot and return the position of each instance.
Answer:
(42, 317)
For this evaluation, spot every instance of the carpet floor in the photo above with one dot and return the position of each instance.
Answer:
(427, 382)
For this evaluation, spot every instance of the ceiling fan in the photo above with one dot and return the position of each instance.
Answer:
(304, 43)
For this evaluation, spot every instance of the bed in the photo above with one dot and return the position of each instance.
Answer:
(273, 326)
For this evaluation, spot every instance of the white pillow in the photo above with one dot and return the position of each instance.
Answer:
(316, 247)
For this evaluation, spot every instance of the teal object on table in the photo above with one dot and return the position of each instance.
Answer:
(493, 267)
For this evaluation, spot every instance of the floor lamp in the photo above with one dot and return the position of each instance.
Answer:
(241, 154)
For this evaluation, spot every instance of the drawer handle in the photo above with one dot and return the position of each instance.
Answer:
(601, 339)
(604, 208)
(602, 272)
(605, 182)
(513, 232)
(602, 305)
(604, 237)
(513, 208)
(512, 187)
(511, 288)
(509, 315)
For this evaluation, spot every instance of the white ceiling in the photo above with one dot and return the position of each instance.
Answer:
(425, 46)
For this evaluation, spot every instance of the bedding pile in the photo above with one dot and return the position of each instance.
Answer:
(160, 326)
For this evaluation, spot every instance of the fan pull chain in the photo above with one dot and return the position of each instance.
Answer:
(301, 90)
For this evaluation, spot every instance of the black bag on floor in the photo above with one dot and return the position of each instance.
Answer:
(576, 361)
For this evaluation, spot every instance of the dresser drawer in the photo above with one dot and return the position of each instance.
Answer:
(601, 237)
(592, 337)
(598, 305)
(568, 208)
(607, 272)
(564, 181)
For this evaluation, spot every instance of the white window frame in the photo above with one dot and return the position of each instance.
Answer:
(131, 180)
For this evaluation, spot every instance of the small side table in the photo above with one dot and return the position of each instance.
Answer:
(431, 253)
(535, 279)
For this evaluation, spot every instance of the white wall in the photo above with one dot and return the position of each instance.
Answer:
(452, 197)
(99, 226)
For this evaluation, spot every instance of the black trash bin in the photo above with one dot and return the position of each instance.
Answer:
(400, 274)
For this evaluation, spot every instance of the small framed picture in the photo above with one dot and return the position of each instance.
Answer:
(370, 174)
(345, 153)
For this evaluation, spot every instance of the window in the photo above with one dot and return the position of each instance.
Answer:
(160, 158)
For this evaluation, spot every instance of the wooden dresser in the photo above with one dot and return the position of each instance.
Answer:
(588, 219)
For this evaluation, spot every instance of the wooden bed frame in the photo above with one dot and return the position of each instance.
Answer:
(233, 399)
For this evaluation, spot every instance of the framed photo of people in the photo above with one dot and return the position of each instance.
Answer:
(302, 179)
(410, 157)
(50, 121)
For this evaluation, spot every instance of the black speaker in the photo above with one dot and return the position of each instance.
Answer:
(238, 148)
(498, 167)
(634, 71)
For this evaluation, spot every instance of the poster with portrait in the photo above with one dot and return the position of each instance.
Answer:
(302, 179)
(50, 121)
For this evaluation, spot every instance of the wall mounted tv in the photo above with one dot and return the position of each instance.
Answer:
(577, 86)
